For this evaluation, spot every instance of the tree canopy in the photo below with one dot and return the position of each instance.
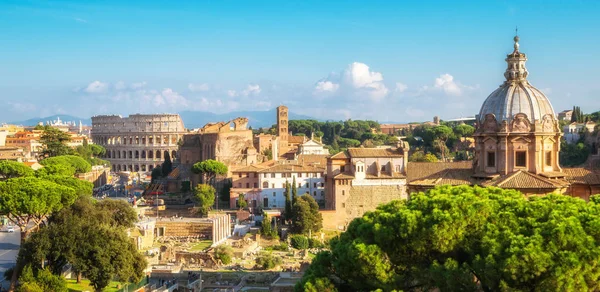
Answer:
(305, 215)
(54, 142)
(167, 165)
(205, 197)
(466, 239)
(78, 163)
(91, 237)
(10, 169)
(209, 168)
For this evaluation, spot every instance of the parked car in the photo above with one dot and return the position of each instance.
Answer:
(10, 229)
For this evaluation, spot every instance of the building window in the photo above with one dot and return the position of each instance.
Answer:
(322, 184)
(491, 159)
(342, 168)
(383, 168)
(272, 186)
(274, 194)
(240, 185)
(521, 158)
(322, 193)
(240, 174)
(315, 193)
(343, 192)
(265, 202)
(343, 205)
(265, 185)
(255, 185)
(272, 175)
(265, 175)
(299, 185)
(315, 185)
(247, 185)
(397, 168)
(299, 174)
(548, 158)
(255, 175)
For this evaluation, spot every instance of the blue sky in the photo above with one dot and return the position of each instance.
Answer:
(384, 60)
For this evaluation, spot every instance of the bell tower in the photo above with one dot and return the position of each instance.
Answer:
(282, 128)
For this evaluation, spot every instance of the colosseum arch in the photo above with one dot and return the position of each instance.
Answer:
(157, 154)
(137, 154)
(151, 154)
(173, 153)
(143, 154)
(166, 153)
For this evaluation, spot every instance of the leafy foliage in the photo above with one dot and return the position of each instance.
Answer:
(306, 217)
(466, 238)
(91, 152)
(577, 116)
(156, 173)
(288, 201)
(78, 163)
(266, 228)
(92, 238)
(209, 168)
(205, 197)
(268, 261)
(167, 165)
(55, 169)
(573, 154)
(224, 252)
(242, 203)
(10, 169)
(299, 241)
(54, 142)
(420, 156)
(40, 281)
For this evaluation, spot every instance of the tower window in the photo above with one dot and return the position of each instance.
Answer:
(491, 159)
(548, 158)
(521, 158)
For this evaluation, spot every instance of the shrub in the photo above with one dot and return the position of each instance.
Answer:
(281, 247)
(314, 243)
(299, 242)
(268, 261)
(224, 253)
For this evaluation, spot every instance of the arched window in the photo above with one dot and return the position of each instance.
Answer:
(157, 154)
(137, 154)
(143, 155)
(150, 154)
(265, 185)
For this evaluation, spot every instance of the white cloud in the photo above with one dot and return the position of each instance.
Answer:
(96, 87)
(120, 85)
(80, 20)
(326, 86)
(400, 87)
(198, 87)
(138, 85)
(232, 93)
(171, 97)
(251, 89)
(446, 83)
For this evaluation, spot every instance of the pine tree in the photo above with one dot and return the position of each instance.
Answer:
(288, 202)
(167, 166)
(294, 192)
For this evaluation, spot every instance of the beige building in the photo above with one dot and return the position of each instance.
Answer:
(360, 179)
(574, 131)
(517, 144)
(138, 142)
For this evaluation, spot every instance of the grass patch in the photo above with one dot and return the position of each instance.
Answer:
(200, 246)
(84, 285)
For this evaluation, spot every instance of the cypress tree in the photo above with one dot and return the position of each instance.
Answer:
(167, 166)
(294, 191)
(288, 202)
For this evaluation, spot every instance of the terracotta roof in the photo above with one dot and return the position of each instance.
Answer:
(296, 139)
(374, 152)
(312, 159)
(525, 180)
(421, 170)
(580, 175)
(293, 168)
(385, 176)
(340, 155)
(250, 168)
(174, 173)
(344, 175)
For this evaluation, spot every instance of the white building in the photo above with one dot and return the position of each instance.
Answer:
(312, 147)
(573, 131)
(264, 185)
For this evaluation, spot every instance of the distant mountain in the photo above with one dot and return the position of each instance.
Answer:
(64, 118)
(256, 119)
(191, 119)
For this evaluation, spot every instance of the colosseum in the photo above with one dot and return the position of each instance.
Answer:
(138, 142)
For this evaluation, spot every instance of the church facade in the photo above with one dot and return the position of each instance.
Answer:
(517, 144)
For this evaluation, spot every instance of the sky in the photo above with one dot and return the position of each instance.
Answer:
(398, 61)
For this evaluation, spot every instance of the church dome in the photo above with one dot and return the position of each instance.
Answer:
(516, 95)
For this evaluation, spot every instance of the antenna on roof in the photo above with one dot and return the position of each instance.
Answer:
(516, 30)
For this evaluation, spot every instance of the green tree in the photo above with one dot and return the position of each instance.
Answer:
(420, 156)
(54, 142)
(288, 202)
(156, 173)
(306, 217)
(268, 153)
(266, 229)
(40, 281)
(464, 130)
(209, 169)
(10, 169)
(242, 203)
(205, 197)
(81, 187)
(167, 165)
(28, 201)
(55, 169)
(267, 261)
(224, 253)
(573, 154)
(299, 241)
(78, 163)
(92, 238)
(468, 239)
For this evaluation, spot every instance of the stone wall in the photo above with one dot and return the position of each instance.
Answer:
(361, 199)
(183, 228)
